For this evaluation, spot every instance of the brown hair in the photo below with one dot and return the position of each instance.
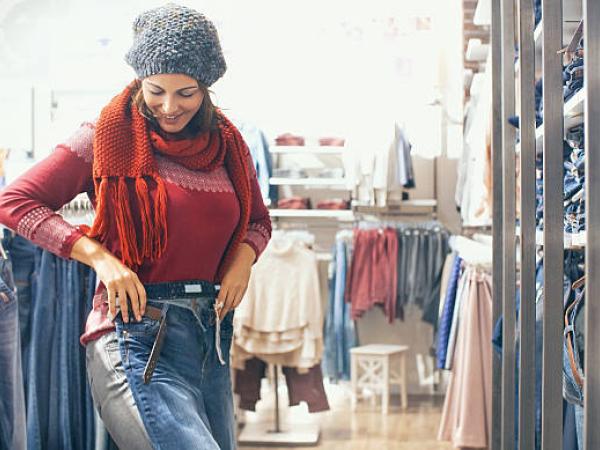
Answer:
(204, 120)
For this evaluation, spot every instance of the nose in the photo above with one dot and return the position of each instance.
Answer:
(169, 106)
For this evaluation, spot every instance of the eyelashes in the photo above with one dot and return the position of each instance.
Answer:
(182, 95)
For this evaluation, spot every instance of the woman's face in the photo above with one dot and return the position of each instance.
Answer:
(173, 98)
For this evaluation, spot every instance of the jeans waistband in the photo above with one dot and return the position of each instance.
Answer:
(181, 289)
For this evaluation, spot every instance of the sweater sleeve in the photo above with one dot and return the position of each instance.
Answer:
(259, 229)
(29, 204)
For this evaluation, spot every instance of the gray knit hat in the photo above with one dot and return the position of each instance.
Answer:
(176, 39)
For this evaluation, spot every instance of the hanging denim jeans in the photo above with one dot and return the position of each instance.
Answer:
(340, 333)
(187, 402)
(43, 338)
(12, 400)
(22, 255)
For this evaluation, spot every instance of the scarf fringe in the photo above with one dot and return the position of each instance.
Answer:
(100, 226)
(160, 218)
(125, 226)
(148, 232)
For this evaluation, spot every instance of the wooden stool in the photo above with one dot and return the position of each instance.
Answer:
(375, 362)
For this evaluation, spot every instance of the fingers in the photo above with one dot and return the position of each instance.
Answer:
(123, 303)
(231, 298)
(125, 287)
(141, 295)
(239, 299)
(112, 301)
(221, 301)
(132, 292)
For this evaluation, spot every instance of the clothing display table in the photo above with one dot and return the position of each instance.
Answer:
(372, 368)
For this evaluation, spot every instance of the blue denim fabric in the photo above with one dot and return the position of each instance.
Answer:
(261, 156)
(189, 402)
(574, 182)
(573, 74)
(22, 255)
(579, 425)
(43, 327)
(569, 427)
(575, 137)
(448, 312)
(573, 271)
(340, 331)
(60, 413)
(12, 398)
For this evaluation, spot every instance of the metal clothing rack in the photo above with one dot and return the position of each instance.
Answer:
(512, 22)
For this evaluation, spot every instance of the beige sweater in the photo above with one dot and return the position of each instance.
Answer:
(280, 318)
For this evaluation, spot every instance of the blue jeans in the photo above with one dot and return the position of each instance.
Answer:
(22, 252)
(340, 333)
(188, 402)
(59, 406)
(12, 400)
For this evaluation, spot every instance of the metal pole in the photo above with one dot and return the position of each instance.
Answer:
(552, 402)
(528, 199)
(591, 14)
(509, 211)
(497, 278)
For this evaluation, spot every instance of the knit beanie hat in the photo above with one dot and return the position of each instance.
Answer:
(176, 39)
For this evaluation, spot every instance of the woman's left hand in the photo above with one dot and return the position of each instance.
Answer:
(235, 281)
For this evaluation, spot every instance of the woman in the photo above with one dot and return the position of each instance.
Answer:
(179, 223)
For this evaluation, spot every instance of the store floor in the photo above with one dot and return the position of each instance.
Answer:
(366, 428)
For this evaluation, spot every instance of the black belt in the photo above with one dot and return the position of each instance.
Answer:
(181, 289)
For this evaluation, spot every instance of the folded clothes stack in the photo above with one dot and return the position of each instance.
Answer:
(294, 203)
(573, 73)
(574, 181)
(334, 203)
(289, 139)
(332, 141)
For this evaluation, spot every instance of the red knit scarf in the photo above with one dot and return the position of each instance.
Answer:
(123, 147)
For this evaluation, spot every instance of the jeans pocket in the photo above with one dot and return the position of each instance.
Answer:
(7, 296)
(146, 328)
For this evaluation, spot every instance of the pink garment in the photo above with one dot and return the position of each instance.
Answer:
(466, 418)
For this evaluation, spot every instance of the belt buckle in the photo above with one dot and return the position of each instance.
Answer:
(193, 288)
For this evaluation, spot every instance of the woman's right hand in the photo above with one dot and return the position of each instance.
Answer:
(120, 281)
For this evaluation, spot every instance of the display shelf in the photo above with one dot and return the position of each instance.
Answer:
(572, 241)
(329, 182)
(570, 26)
(573, 116)
(344, 214)
(301, 149)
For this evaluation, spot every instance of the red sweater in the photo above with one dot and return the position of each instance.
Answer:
(202, 214)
